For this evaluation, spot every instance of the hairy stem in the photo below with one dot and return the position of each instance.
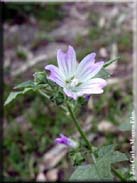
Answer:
(81, 131)
(117, 174)
(44, 94)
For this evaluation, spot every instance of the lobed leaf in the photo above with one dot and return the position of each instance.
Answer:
(106, 150)
(102, 169)
(13, 95)
(117, 157)
(85, 173)
(25, 84)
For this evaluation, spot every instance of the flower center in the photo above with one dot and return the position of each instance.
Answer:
(72, 83)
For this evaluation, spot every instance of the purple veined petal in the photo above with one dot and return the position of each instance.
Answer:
(93, 86)
(101, 82)
(61, 62)
(72, 94)
(67, 61)
(91, 71)
(55, 75)
(92, 90)
(86, 62)
(94, 82)
(71, 59)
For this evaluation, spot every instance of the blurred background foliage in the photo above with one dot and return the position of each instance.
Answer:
(32, 123)
(18, 13)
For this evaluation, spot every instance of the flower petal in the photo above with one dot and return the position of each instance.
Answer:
(91, 90)
(70, 94)
(95, 81)
(95, 90)
(67, 61)
(58, 140)
(66, 141)
(86, 62)
(55, 75)
(93, 86)
(90, 71)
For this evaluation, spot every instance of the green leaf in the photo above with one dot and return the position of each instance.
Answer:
(102, 169)
(110, 62)
(103, 73)
(25, 84)
(125, 172)
(77, 158)
(112, 155)
(85, 172)
(106, 150)
(13, 95)
(117, 157)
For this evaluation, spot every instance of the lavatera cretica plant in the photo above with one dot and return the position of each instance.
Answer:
(67, 85)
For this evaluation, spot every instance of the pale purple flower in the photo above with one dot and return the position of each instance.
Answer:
(77, 79)
(66, 141)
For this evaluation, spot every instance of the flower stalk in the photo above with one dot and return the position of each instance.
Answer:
(118, 174)
(81, 132)
(43, 94)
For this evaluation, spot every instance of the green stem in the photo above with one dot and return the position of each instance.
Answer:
(81, 132)
(44, 94)
(118, 174)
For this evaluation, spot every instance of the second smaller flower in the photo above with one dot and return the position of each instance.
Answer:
(66, 141)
